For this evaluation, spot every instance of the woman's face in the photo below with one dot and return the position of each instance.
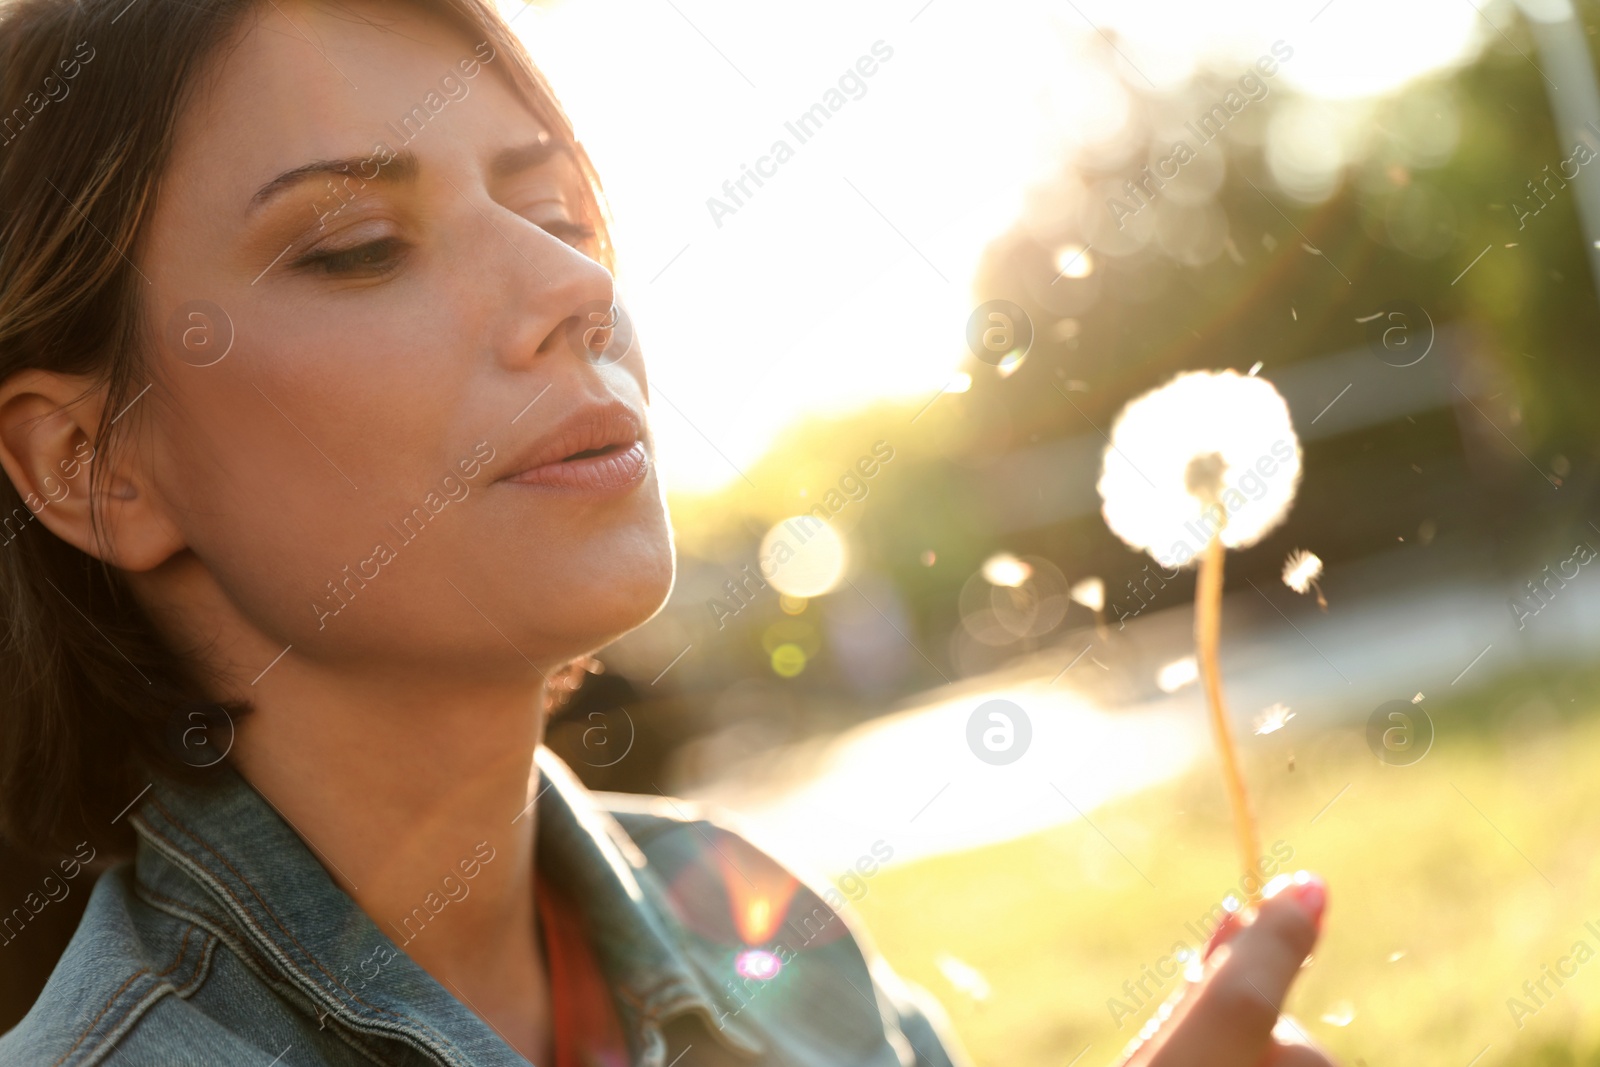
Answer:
(407, 335)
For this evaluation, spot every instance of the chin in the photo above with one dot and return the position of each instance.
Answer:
(617, 597)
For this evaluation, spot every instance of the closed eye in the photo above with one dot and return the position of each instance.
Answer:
(371, 258)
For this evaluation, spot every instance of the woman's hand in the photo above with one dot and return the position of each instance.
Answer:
(1229, 1018)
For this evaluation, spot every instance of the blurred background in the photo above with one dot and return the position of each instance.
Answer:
(1389, 212)
(886, 358)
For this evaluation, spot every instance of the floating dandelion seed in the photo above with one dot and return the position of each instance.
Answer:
(1273, 719)
(1207, 462)
(1091, 593)
(1177, 674)
(1300, 573)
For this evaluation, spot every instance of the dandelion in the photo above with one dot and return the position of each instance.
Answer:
(1300, 573)
(1206, 455)
(1207, 462)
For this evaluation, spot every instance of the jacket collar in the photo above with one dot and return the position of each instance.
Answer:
(222, 856)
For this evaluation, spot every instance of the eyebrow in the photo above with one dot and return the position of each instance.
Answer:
(510, 162)
(405, 167)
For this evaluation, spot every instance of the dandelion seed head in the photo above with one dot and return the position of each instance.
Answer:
(1206, 446)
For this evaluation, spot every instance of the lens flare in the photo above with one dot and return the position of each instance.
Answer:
(757, 963)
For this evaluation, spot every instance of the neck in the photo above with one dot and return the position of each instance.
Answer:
(417, 800)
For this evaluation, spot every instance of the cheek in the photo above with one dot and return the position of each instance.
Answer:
(282, 466)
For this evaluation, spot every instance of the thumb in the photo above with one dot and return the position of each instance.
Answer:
(1238, 1004)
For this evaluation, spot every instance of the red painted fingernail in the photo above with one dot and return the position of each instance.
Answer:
(1313, 896)
(1309, 891)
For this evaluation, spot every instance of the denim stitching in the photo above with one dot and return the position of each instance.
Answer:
(259, 965)
(181, 911)
(183, 947)
(95, 1021)
(136, 1011)
(442, 1047)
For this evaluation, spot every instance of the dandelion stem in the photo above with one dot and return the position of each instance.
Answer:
(1207, 638)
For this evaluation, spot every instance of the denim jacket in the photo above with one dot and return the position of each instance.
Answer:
(226, 942)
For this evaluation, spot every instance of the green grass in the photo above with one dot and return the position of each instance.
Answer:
(1480, 864)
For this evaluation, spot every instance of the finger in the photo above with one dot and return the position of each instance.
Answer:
(1231, 1018)
(1230, 925)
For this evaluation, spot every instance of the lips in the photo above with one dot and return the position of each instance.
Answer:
(597, 448)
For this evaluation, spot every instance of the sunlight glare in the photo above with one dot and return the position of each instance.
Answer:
(844, 276)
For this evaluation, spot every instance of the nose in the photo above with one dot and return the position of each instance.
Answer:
(561, 302)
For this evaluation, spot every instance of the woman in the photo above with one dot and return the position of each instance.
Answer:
(325, 451)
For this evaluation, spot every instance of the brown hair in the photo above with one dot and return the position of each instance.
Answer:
(91, 701)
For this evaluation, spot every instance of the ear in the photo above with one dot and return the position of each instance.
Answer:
(49, 425)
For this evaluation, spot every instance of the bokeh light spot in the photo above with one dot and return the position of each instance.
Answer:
(1005, 569)
(788, 660)
(1074, 261)
(802, 556)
